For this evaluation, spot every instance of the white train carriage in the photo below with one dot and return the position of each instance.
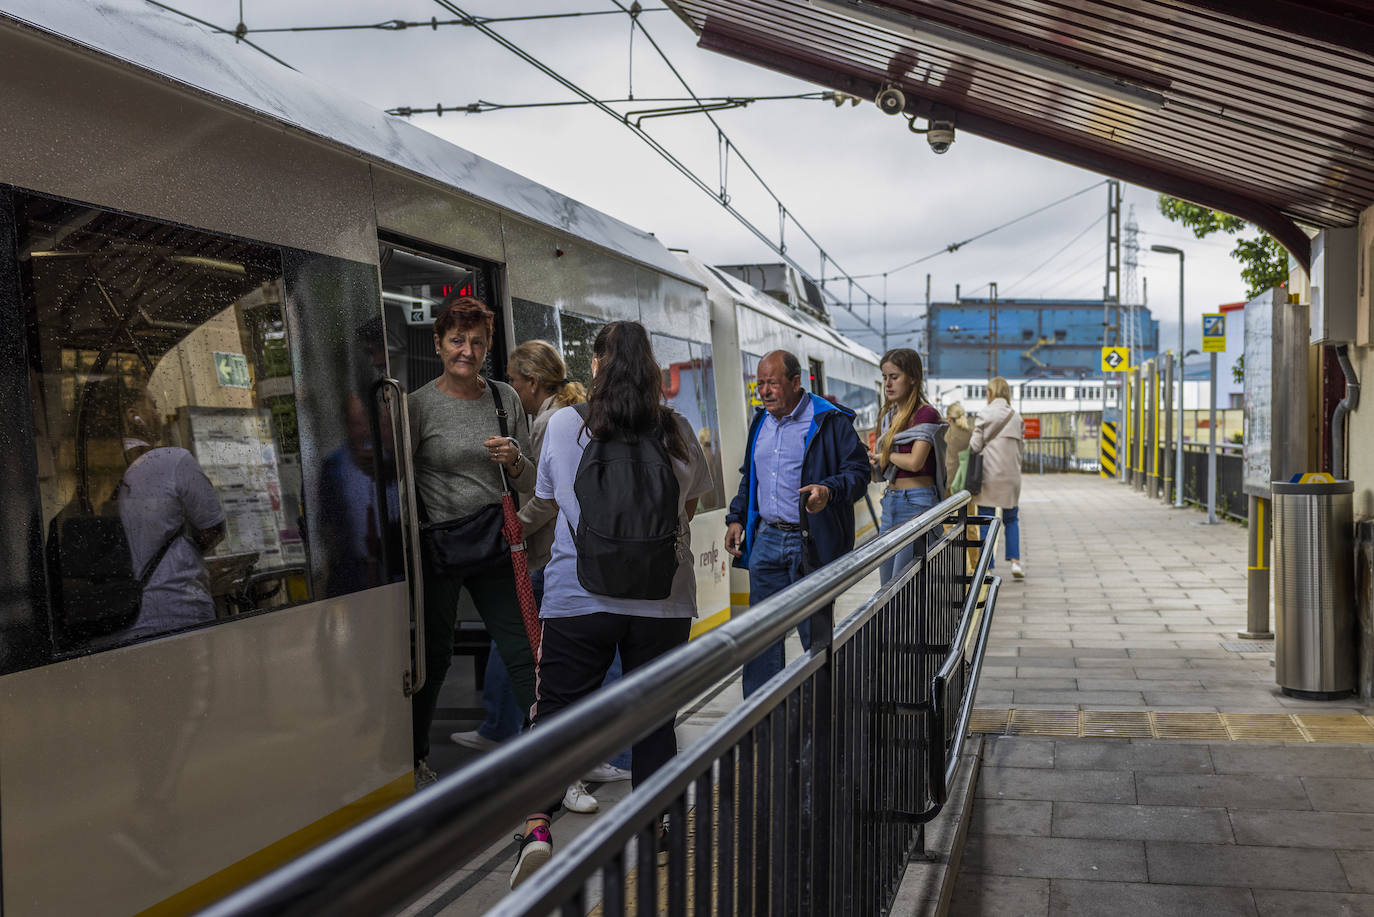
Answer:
(184, 219)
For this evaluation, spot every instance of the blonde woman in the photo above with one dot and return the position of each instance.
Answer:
(997, 436)
(905, 456)
(956, 441)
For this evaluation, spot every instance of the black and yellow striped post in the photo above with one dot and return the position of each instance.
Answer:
(1257, 584)
(1106, 449)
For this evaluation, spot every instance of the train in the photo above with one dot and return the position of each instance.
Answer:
(257, 259)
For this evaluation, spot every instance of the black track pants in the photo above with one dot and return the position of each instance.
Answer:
(574, 658)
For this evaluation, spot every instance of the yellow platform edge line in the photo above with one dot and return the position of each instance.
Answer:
(214, 887)
(711, 622)
(1343, 728)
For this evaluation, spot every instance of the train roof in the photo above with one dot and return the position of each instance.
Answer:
(147, 39)
(721, 283)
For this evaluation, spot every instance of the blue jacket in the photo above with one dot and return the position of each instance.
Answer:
(834, 456)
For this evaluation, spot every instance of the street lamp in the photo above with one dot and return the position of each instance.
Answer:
(1178, 446)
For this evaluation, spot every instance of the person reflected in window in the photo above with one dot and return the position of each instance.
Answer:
(348, 505)
(166, 501)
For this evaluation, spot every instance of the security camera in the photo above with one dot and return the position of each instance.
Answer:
(940, 136)
(891, 100)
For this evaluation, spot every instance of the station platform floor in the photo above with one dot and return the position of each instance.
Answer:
(1139, 758)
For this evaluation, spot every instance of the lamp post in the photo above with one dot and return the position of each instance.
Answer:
(1178, 447)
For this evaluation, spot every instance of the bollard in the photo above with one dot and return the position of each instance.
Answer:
(1257, 580)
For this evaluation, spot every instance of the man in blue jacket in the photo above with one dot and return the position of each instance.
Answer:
(799, 444)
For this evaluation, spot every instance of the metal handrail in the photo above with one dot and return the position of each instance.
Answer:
(396, 854)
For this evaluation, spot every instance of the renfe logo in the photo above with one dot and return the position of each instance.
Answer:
(710, 558)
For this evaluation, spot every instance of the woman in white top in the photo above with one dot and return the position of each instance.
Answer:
(584, 629)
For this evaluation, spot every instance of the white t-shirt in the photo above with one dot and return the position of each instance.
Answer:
(564, 597)
(165, 491)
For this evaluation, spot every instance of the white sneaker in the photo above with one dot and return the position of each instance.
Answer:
(606, 773)
(474, 739)
(1016, 570)
(577, 799)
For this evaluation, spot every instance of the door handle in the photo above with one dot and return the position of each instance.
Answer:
(394, 394)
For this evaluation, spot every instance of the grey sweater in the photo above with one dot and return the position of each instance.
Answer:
(453, 474)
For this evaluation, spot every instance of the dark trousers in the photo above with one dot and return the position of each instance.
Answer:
(573, 660)
(773, 566)
(493, 592)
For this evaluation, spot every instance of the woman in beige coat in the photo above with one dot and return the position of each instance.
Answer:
(997, 436)
(956, 441)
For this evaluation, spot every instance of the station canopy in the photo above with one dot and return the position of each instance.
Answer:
(1260, 108)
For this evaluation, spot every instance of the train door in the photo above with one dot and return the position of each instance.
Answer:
(414, 286)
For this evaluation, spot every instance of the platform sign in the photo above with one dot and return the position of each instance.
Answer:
(1032, 427)
(1214, 332)
(1115, 359)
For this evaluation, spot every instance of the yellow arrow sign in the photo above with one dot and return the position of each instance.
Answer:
(1115, 359)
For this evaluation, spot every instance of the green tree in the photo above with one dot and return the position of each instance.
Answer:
(1264, 263)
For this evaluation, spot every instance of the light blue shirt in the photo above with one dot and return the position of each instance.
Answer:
(778, 453)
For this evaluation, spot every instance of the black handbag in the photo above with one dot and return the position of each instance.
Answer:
(472, 543)
(973, 477)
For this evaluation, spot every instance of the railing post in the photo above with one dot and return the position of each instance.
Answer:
(818, 793)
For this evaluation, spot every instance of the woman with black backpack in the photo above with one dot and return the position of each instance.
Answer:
(626, 472)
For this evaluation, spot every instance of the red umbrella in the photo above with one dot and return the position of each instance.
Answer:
(515, 537)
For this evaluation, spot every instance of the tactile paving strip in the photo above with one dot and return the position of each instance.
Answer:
(1145, 724)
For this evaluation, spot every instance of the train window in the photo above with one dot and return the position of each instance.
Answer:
(534, 321)
(861, 399)
(750, 364)
(579, 334)
(689, 387)
(817, 373)
(164, 424)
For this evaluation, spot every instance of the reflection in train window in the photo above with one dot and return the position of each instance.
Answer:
(165, 425)
(579, 335)
(861, 399)
(689, 387)
(750, 364)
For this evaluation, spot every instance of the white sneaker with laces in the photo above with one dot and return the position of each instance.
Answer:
(606, 773)
(424, 775)
(473, 739)
(577, 799)
(1016, 570)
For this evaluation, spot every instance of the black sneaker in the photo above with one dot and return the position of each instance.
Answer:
(535, 850)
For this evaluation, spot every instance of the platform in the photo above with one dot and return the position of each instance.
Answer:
(1139, 757)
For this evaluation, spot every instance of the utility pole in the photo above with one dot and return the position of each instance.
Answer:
(1111, 298)
(992, 331)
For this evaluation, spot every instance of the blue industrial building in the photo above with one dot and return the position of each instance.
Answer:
(1036, 338)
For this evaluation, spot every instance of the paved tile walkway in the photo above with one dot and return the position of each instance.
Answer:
(1125, 607)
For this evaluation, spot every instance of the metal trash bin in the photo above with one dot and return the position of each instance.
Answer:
(1315, 638)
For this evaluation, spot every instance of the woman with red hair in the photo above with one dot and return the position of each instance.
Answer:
(459, 451)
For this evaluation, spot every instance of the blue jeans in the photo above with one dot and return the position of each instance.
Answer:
(1011, 529)
(504, 718)
(902, 506)
(772, 568)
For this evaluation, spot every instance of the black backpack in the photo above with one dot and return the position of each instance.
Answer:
(626, 538)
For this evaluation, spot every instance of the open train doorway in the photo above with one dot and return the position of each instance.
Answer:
(415, 284)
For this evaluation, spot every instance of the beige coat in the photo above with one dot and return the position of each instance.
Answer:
(997, 435)
(537, 515)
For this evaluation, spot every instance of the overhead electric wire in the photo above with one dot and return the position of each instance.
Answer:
(210, 25)
(955, 246)
(482, 105)
(1033, 271)
(664, 152)
(397, 25)
(783, 212)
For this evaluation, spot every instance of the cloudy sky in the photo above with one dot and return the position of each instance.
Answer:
(871, 192)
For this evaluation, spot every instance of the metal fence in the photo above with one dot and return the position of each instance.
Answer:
(809, 798)
(1231, 498)
(1053, 454)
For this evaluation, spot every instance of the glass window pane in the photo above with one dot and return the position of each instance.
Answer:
(689, 387)
(165, 431)
(579, 334)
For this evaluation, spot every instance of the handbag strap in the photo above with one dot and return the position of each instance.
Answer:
(501, 416)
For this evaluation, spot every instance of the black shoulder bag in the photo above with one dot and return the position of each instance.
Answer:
(472, 543)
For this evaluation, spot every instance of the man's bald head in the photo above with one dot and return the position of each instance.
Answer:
(779, 382)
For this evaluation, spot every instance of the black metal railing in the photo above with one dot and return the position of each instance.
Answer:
(1052, 454)
(1231, 498)
(808, 798)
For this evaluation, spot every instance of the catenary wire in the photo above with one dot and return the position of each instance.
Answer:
(482, 105)
(210, 25)
(397, 25)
